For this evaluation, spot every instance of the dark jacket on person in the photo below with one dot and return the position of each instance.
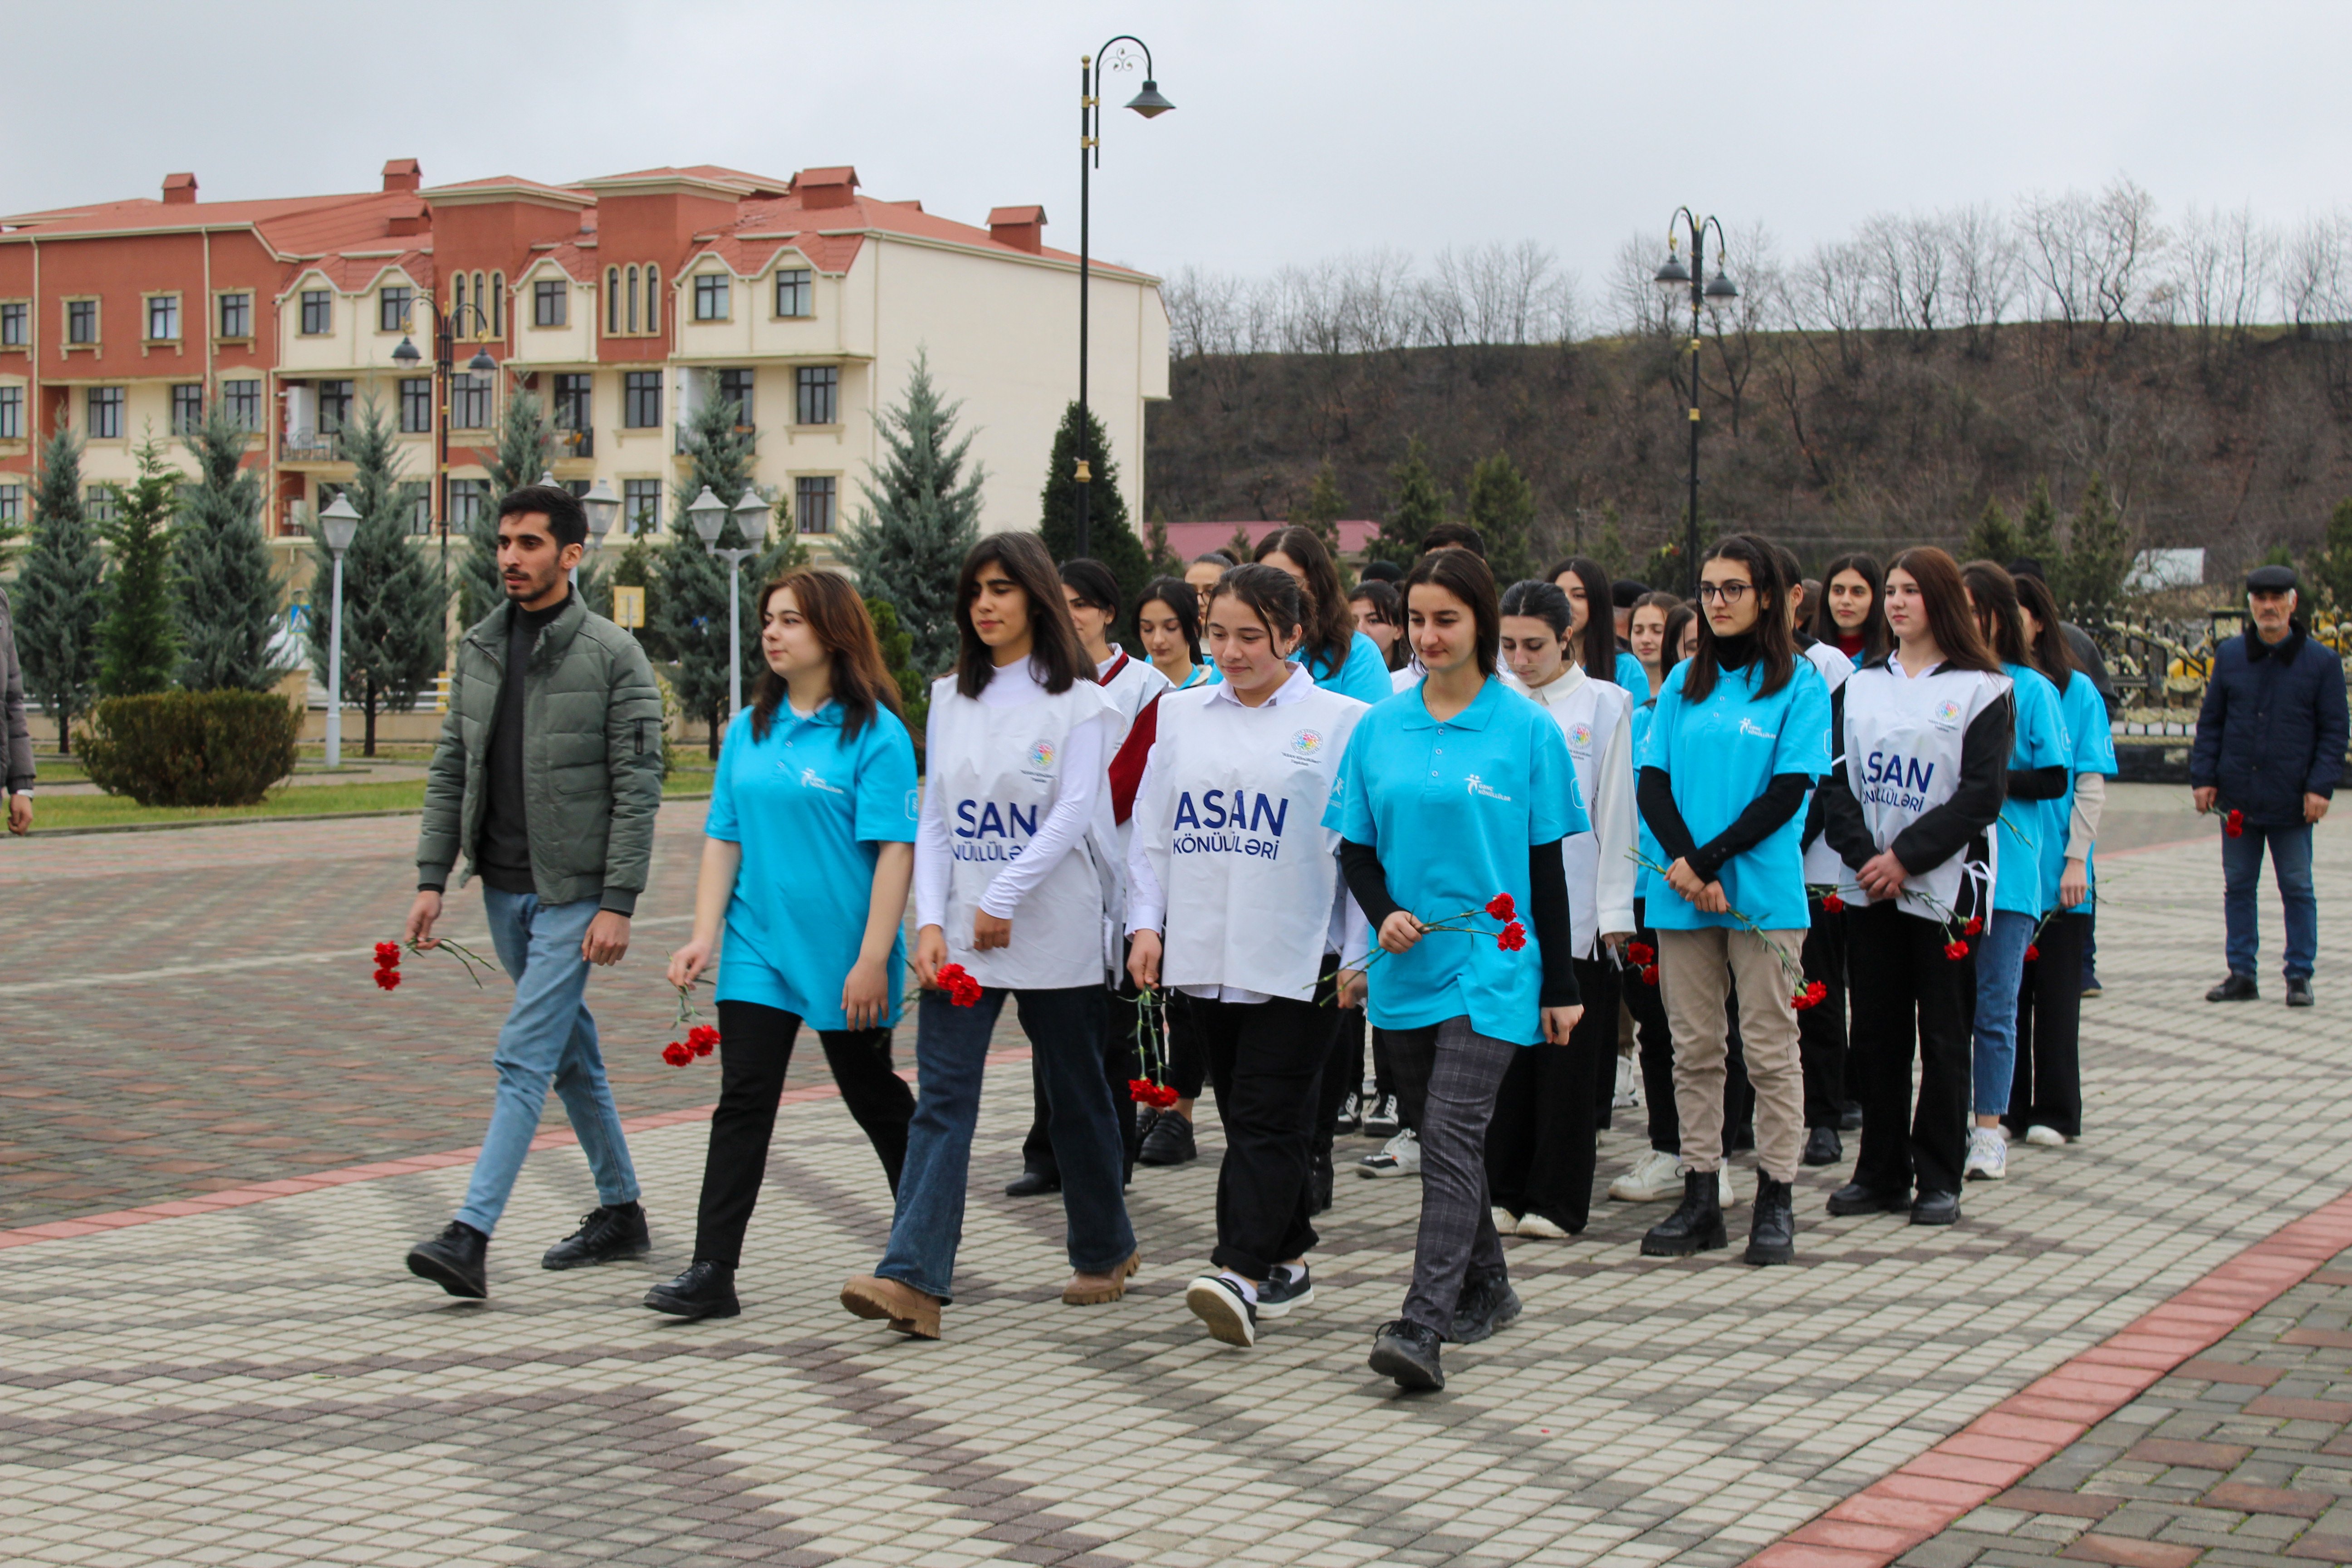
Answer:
(2273, 727)
(2088, 659)
(590, 763)
(16, 740)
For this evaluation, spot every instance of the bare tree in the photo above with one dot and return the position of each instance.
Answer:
(1981, 259)
(2316, 273)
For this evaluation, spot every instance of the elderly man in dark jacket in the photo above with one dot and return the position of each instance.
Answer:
(2270, 747)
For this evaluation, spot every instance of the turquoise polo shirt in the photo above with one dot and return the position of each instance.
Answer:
(1452, 809)
(811, 811)
(2090, 749)
(1643, 711)
(1720, 755)
(1632, 677)
(2039, 743)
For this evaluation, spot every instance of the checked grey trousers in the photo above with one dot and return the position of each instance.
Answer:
(1463, 1069)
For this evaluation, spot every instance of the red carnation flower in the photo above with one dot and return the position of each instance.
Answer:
(1512, 937)
(388, 979)
(1975, 926)
(387, 955)
(1141, 1089)
(2032, 951)
(1501, 907)
(1641, 952)
(962, 990)
(1800, 1000)
(1832, 902)
(2234, 824)
(1956, 951)
(677, 1053)
(702, 1038)
(1649, 974)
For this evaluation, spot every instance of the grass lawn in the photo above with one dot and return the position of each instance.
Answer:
(57, 811)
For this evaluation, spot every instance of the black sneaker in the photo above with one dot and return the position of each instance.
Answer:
(605, 1233)
(707, 1290)
(1407, 1353)
(454, 1260)
(2237, 988)
(1218, 1302)
(1856, 1197)
(1286, 1289)
(1936, 1208)
(1486, 1303)
(1169, 1143)
(1823, 1147)
(1351, 1117)
(2298, 992)
(1383, 1119)
(1031, 1184)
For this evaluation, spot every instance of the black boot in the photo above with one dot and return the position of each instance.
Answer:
(454, 1260)
(1695, 1227)
(2237, 988)
(605, 1233)
(1030, 1184)
(1858, 1196)
(707, 1290)
(1772, 1224)
(1822, 1146)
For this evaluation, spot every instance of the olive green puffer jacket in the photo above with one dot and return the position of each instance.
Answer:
(592, 759)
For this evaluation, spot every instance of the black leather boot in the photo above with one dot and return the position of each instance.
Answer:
(1695, 1227)
(454, 1260)
(1772, 1225)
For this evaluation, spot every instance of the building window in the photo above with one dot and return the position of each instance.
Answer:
(498, 304)
(317, 312)
(11, 413)
(735, 388)
(469, 502)
(163, 318)
(641, 505)
(81, 321)
(12, 503)
(334, 406)
(15, 324)
(242, 399)
(612, 301)
(795, 295)
(106, 413)
(98, 503)
(392, 308)
(813, 504)
(575, 421)
(414, 497)
(236, 315)
(641, 402)
(653, 300)
(469, 401)
(632, 299)
(458, 323)
(548, 298)
(416, 405)
(187, 407)
(820, 386)
(713, 296)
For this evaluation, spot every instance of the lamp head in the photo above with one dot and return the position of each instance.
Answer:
(751, 514)
(1148, 103)
(708, 515)
(337, 523)
(1672, 275)
(481, 364)
(602, 505)
(406, 352)
(1718, 291)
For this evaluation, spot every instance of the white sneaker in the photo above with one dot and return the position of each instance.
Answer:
(1628, 1086)
(1656, 1177)
(1988, 1158)
(1727, 1192)
(2043, 1137)
(1535, 1226)
(1505, 1222)
(1399, 1156)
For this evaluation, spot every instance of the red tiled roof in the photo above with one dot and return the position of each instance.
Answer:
(1190, 539)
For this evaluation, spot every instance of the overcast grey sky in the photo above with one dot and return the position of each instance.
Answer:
(1302, 130)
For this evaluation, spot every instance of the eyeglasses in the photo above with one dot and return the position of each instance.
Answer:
(1729, 593)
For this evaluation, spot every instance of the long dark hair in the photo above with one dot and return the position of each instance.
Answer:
(1949, 621)
(1331, 625)
(1993, 592)
(1545, 602)
(1877, 642)
(2050, 652)
(1775, 646)
(1597, 648)
(1053, 640)
(1183, 602)
(1266, 592)
(1465, 577)
(1389, 610)
(862, 682)
(1679, 616)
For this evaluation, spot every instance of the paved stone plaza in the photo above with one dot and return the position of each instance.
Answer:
(257, 1383)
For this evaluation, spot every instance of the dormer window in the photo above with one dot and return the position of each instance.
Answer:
(712, 297)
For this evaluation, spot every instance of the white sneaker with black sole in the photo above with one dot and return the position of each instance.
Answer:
(1219, 1304)
(1399, 1156)
(1383, 1119)
(1988, 1158)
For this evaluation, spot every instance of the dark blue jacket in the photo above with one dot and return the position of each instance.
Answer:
(2272, 727)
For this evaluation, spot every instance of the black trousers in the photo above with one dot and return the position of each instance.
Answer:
(2047, 1087)
(1187, 1068)
(755, 1048)
(1540, 1147)
(1821, 1029)
(1909, 999)
(1121, 1065)
(1266, 1060)
(1333, 1025)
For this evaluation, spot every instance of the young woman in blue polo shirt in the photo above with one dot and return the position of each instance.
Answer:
(1741, 735)
(1335, 653)
(1008, 886)
(1594, 637)
(1452, 792)
(2038, 761)
(807, 852)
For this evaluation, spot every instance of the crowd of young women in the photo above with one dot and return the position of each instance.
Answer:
(1480, 817)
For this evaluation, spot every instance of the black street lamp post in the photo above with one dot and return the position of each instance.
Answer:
(1150, 104)
(1674, 280)
(444, 369)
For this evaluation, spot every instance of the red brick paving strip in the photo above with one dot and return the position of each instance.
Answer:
(2007, 1443)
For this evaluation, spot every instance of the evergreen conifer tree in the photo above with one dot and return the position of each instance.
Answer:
(1324, 508)
(1994, 537)
(1241, 546)
(2330, 570)
(2037, 538)
(1501, 507)
(392, 604)
(1164, 559)
(60, 591)
(2098, 548)
(1110, 539)
(228, 594)
(640, 566)
(526, 443)
(138, 640)
(1417, 505)
(899, 658)
(1611, 550)
(921, 517)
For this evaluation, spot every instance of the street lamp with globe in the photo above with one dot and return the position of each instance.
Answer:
(708, 515)
(1675, 280)
(337, 525)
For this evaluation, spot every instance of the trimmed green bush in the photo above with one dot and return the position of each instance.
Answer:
(192, 748)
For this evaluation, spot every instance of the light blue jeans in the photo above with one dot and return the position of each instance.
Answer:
(548, 1038)
(2001, 970)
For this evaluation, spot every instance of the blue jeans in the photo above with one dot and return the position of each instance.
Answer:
(2241, 868)
(2000, 969)
(1066, 1029)
(548, 1037)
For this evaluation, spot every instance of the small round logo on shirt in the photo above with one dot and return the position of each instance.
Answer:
(1580, 736)
(1042, 755)
(1947, 711)
(1306, 742)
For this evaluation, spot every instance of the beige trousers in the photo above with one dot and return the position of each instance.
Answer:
(1695, 969)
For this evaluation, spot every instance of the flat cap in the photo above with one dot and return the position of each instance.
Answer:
(2270, 580)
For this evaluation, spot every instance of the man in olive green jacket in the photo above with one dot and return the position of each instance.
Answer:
(546, 780)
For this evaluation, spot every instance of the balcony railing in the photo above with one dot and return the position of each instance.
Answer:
(575, 443)
(312, 447)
